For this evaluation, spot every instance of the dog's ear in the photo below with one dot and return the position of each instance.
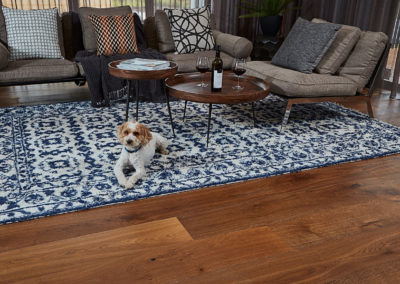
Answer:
(144, 134)
(120, 132)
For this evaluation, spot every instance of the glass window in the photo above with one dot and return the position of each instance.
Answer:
(62, 5)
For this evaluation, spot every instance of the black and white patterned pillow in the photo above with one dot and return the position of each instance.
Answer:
(191, 29)
(32, 33)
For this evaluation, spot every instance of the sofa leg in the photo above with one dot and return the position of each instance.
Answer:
(80, 83)
(369, 108)
(286, 116)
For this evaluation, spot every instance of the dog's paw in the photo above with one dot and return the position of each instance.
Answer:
(122, 183)
(163, 151)
(130, 183)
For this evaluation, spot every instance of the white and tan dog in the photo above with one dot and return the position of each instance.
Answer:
(139, 146)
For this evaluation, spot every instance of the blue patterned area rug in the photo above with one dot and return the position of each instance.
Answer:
(60, 158)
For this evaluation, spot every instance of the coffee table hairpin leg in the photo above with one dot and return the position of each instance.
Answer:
(128, 87)
(137, 100)
(128, 96)
(169, 107)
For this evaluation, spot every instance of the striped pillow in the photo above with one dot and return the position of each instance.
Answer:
(114, 34)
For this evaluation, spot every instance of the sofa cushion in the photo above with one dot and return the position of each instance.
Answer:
(191, 29)
(361, 63)
(337, 53)
(4, 54)
(38, 70)
(235, 46)
(292, 83)
(164, 33)
(89, 37)
(187, 62)
(114, 34)
(32, 33)
(305, 45)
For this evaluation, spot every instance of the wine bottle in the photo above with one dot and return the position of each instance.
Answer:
(216, 69)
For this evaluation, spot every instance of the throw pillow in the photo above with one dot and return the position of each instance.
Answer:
(337, 53)
(305, 45)
(32, 33)
(191, 29)
(114, 34)
(89, 36)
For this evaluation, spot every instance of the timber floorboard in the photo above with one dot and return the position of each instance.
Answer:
(337, 224)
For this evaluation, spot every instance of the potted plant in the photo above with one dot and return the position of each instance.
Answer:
(268, 11)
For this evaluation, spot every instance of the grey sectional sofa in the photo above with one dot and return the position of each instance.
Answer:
(351, 77)
(354, 79)
(34, 71)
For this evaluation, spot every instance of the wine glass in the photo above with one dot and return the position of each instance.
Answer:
(239, 68)
(202, 65)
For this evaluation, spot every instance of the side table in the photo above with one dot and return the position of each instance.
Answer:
(266, 47)
(138, 75)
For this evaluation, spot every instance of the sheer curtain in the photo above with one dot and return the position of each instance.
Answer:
(62, 5)
(143, 7)
(227, 19)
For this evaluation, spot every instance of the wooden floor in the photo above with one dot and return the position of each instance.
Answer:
(338, 224)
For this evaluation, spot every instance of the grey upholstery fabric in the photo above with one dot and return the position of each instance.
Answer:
(187, 62)
(3, 30)
(60, 36)
(164, 33)
(150, 31)
(362, 61)
(38, 70)
(4, 54)
(72, 34)
(89, 36)
(292, 83)
(340, 49)
(305, 45)
(235, 46)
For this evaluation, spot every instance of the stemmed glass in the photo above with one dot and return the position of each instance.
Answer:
(202, 65)
(239, 68)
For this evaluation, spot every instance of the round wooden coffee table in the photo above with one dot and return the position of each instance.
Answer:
(184, 86)
(137, 75)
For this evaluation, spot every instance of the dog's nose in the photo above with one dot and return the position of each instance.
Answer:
(129, 141)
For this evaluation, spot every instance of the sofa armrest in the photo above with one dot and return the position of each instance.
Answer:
(4, 55)
(238, 47)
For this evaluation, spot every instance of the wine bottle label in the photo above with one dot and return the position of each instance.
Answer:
(217, 80)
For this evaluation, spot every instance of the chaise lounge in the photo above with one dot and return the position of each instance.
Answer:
(353, 79)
